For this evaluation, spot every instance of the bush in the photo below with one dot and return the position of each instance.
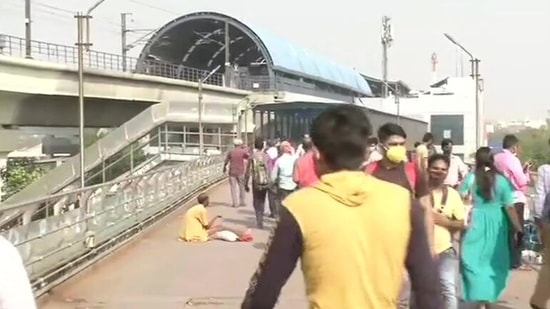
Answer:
(17, 174)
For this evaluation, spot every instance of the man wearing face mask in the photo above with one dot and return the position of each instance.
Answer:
(449, 215)
(394, 168)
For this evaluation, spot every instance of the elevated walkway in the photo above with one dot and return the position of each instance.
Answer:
(159, 271)
(111, 97)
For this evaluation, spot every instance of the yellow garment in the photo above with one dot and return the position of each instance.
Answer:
(352, 223)
(422, 151)
(453, 209)
(194, 222)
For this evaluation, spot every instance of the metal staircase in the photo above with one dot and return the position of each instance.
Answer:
(65, 177)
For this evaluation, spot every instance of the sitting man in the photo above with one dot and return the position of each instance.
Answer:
(197, 228)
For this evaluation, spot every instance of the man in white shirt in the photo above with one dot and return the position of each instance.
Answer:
(272, 151)
(457, 168)
(300, 150)
(15, 288)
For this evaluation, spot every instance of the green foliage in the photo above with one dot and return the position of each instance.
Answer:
(533, 144)
(17, 174)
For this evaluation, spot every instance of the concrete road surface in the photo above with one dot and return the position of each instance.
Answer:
(159, 271)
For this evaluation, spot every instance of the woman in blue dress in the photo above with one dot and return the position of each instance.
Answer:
(485, 251)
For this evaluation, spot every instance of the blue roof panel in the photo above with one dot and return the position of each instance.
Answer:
(289, 57)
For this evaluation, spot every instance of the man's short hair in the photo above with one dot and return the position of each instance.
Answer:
(428, 137)
(202, 198)
(390, 129)
(340, 134)
(509, 141)
(446, 142)
(259, 143)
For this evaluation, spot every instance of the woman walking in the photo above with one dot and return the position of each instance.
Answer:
(486, 247)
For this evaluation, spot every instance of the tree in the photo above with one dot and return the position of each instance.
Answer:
(533, 144)
(17, 174)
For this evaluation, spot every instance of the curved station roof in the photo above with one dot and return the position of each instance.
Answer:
(197, 40)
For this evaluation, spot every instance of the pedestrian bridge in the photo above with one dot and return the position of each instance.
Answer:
(122, 94)
(115, 245)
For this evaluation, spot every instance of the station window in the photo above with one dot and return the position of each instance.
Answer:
(447, 126)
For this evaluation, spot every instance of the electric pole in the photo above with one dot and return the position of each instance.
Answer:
(387, 40)
(123, 32)
(82, 45)
(480, 125)
(228, 70)
(28, 50)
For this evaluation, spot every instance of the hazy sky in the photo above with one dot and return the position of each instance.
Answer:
(511, 37)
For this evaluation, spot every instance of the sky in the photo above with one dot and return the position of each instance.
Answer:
(512, 38)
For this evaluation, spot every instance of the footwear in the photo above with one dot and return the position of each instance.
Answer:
(246, 236)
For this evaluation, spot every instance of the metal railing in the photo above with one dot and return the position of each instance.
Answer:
(99, 218)
(63, 54)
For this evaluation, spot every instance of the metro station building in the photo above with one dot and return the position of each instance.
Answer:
(292, 84)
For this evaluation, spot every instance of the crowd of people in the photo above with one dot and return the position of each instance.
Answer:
(371, 221)
(374, 226)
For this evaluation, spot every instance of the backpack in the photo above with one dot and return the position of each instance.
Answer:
(260, 177)
(410, 171)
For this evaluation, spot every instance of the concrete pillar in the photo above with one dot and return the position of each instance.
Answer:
(262, 114)
(275, 125)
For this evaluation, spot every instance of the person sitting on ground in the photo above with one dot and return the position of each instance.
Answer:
(197, 228)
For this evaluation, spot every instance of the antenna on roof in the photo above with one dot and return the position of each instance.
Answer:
(387, 40)
(434, 68)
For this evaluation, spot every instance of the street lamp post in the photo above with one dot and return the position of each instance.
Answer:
(476, 76)
(82, 23)
(200, 106)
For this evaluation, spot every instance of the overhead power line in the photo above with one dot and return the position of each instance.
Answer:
(153, 7)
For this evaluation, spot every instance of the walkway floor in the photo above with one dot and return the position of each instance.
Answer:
(158, 271)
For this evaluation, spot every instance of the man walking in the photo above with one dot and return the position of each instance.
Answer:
(507, 162)
(236, 159)
(258, 169)
(457, 168)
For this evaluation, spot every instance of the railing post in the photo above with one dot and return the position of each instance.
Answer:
(131, 158)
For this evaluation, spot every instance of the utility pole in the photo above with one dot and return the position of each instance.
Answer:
(82, 21)
(387, 40)
(201, 129)
(83, 44)
(200, 107)
(227, 60)
(479, 110)
(28, 50)
(480, 127)
(125, 47)
(398, 103)
(123, 32)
